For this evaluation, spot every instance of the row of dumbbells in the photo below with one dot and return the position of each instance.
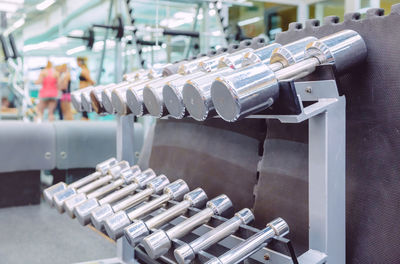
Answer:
(232, 84)
(116, 197)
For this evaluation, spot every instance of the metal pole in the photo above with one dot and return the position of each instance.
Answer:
(193, 29)
(103, 52)
(327, 185)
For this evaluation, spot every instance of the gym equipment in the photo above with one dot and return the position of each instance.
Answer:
(115, 225)
(82, 211)
(172, 90)
(159, 242)
(76, 98)
(233, 100)
(278, 227)
(88, 38)
(187, 252)
(105, 209)
(68, 194)
(96, 99)
(197, 92)
(153, 187)
(101, 169)
(106, 99)
(135, 232)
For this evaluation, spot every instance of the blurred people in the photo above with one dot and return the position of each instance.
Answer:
(65, 88)
(84, 79)
(48, 94)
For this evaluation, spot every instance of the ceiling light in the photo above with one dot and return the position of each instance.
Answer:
(76, 50)
(45, 4)
(17, 24)
(76, 32)
(8, 7)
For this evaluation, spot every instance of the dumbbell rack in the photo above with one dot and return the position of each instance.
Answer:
(326, 114)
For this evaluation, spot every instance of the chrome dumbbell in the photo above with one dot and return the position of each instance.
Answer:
(106, 96)
(172, 90)
(278, 227)
(255, 88)
(159, 242)
(140, 229)
(115, 225)
(96, 100)
(155, 186)
(101, 169)
(197, 92)
(86, 100)
(187, 252)
(76, 98)
(82, 210)
(113, 201)
(68, 194)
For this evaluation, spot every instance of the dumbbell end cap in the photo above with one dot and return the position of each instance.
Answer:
(197, 197)
(220, 204)
(225, 100)
(135, 232)
(118, 103)
(153, 102)
(174, 102)
(195, 101)
(98, 215)
(177, 189)
(246, 215)
(135, 102)
(156, 244)
(184, 254)
(82, 212)
(103, 167)
(279, 226)
(49, 192)
(115, 224)
(145, 177)
(74, 201)
(158, 183)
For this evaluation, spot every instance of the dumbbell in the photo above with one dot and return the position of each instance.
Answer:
(135, 232)
(152, 92)
(136, 75)
(86, 100)
(106, 96)
(172, 90)
(91, 201)
(96, 99)
(196, 92)
(278, 227)
(106, 208)
(134, 95)
(60, 198)
(187, 252)
(76, 98)
(157, 72)
(255, 88)
(101, 169)
(159, 242)
(155, 186)
(115, 225)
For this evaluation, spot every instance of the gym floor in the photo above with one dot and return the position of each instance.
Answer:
(39, 234)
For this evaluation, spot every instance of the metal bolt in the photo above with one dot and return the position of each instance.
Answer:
(266, 257)
(47, 155)
(308, 89)
(63, 155)
(137, 154)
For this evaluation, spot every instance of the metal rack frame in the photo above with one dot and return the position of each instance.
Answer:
(327, 141)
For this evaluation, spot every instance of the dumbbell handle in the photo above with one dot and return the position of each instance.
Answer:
(252, 244)
(125, 204)
(94, 185)
(150, 206)
(168, 214)
(105, 189)
(298, 70)
(216, 234)
(85, 180)
(189, 224)
(112, 197)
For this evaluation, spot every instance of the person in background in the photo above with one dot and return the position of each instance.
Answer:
(48, 94)
(65, 87)
(84, 79)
